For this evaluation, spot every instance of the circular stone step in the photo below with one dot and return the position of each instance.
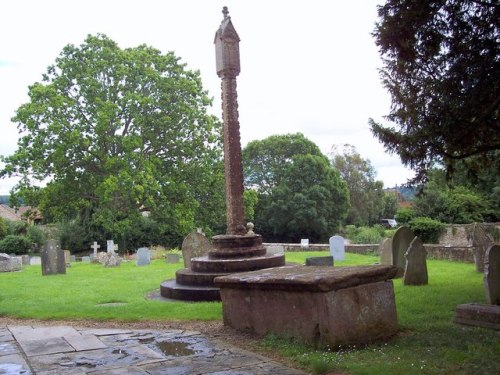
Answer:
(186, 276)
(207, 265)
(171, 289)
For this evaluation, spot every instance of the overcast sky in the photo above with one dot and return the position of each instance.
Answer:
(306, 66)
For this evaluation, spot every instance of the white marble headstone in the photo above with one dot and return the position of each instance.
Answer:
(337, 247)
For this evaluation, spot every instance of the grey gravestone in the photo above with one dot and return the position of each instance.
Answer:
(337, 247)
(143, 256)
(492, 275)
(416, 264)
(110, 247)
(481, 243)
(26, 260)
(72, 258)
(10, 264)
(53, 261)
(35, 261)
(320, 261)
(275, 249)
(385, 251)
(67, 258)
(194, 245)
(400, 243)
(85, 259)
(304, 243)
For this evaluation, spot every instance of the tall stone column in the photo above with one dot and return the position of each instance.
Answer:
(228, 67)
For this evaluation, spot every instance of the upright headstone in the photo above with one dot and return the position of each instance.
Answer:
(110, 247)
(492, 275)
(481, 242)
(143, 256)
(35, 261)
(337, 247)
(53, 261)
(400, 243)
(26, 259)
(67, 258)
(194, 245)
(385, 251)
(304, 243)
(416, 264)
(86, 259)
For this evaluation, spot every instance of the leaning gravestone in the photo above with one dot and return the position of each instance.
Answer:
(385, 251)
(492, 275)
(10, 264)
(53, 261)
(143, 256)
(416, 264)
(337, 247)
(194, 245)
(400, 243)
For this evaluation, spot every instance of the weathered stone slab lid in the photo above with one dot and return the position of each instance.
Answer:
(310, 278)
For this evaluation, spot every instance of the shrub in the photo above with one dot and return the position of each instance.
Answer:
(72, 237)
(427, 229)
(15, 244)
(4, 228)
(36, 236)
(404, 215)
(364, 235)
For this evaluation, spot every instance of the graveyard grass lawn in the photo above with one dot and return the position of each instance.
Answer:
(429, 342)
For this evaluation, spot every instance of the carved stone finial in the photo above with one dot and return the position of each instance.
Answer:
(225, 12)
(250, 231)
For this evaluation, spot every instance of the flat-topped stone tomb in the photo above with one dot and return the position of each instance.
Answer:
(325, 305)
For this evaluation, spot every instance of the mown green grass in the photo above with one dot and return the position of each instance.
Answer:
(429, 342)
(78, 294)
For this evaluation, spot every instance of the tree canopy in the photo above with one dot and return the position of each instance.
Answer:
(367, 198)
(300, 195)
(265, 160)
(111, 131)
(442, 69)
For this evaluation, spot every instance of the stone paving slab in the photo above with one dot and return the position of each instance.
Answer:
(71, 351)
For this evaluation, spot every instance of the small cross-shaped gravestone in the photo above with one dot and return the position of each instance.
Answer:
(95, 246)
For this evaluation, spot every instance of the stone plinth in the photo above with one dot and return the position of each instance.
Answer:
(480, 315)
(324, 305)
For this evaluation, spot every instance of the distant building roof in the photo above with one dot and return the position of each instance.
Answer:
(9, 213)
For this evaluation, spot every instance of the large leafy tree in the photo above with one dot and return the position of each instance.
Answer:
(300, 195)
(265, 160)
(442, 69)
(366, 194)
(113, 130)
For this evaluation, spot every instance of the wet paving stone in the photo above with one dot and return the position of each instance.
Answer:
(127, 352)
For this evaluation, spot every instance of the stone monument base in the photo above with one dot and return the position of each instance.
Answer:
(320, 305)
(229, 254)
(479, 315)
